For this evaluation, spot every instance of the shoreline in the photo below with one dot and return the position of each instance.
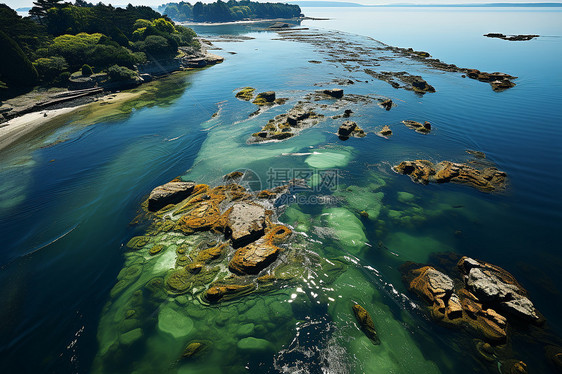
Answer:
(21, 125)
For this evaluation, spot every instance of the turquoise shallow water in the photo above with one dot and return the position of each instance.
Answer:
(65, 209)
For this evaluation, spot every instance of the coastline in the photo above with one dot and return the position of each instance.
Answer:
(33, 122)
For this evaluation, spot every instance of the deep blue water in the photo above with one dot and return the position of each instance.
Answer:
(65, 209)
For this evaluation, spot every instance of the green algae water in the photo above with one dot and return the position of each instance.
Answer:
(75, 298)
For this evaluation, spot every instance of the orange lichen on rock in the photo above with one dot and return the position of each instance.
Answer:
(457, 309)
(202, 217)
(253, 258)
(488, 179)
(211, 254)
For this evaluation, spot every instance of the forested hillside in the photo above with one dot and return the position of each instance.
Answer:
(58, 39)
(228, 11)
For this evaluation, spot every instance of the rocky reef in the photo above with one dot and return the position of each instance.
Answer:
(512, 38)
(350, 129)
(287, 125)
(483, 299)
(489, 179)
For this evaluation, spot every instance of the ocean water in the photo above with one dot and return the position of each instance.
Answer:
(67, 198)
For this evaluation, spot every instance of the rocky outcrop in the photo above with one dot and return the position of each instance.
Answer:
(386, 104)
(497, 287)
(335, 92)
(498, 81)
(246, 93)
(385, 131)
(169, 193)
(482, 297)
(287, 125)
(265, 98)
(402, 79)
(366, 323)
(424, 128)
(253, 258)
(245, 223)
(349, 129)
(511, 38)
(488, 179)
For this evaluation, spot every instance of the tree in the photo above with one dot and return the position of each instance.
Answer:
(87, 70)
(15, 67)
(50, 67)
(41, 7)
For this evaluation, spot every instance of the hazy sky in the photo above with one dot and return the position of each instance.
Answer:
(27, 3)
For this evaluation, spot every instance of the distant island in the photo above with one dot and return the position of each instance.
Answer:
(332, 4)
(230, 11)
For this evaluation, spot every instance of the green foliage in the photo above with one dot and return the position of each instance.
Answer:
(62, 79)
(50, 67)
(164, 25)
(15, 67)
(26, 33)
(140, 23)
(155, 46)
(232, 10)
(74, 48)
(3, 86)
(120, 73)
(87, 70)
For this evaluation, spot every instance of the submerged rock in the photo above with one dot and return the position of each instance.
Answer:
(488, 179)
(366, 323)
(194, 348)
(169, 193)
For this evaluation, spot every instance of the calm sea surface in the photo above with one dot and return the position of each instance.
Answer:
(67, 198)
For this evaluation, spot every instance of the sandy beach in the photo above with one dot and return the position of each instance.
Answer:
(16, 128)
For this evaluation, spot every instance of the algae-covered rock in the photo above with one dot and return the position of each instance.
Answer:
(210, 254)
(348, 229)
(227, 292)
(174, 323)
(265, 98)
(179, 280)
(488, 179)
(194, 349)
(156, 249)
(424, 128)
(255, 345)
(246, 93)
(137, 242)
(366, 323)
(131, 337)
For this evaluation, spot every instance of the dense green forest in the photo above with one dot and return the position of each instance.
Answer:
(58, 39)
(228, 11)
